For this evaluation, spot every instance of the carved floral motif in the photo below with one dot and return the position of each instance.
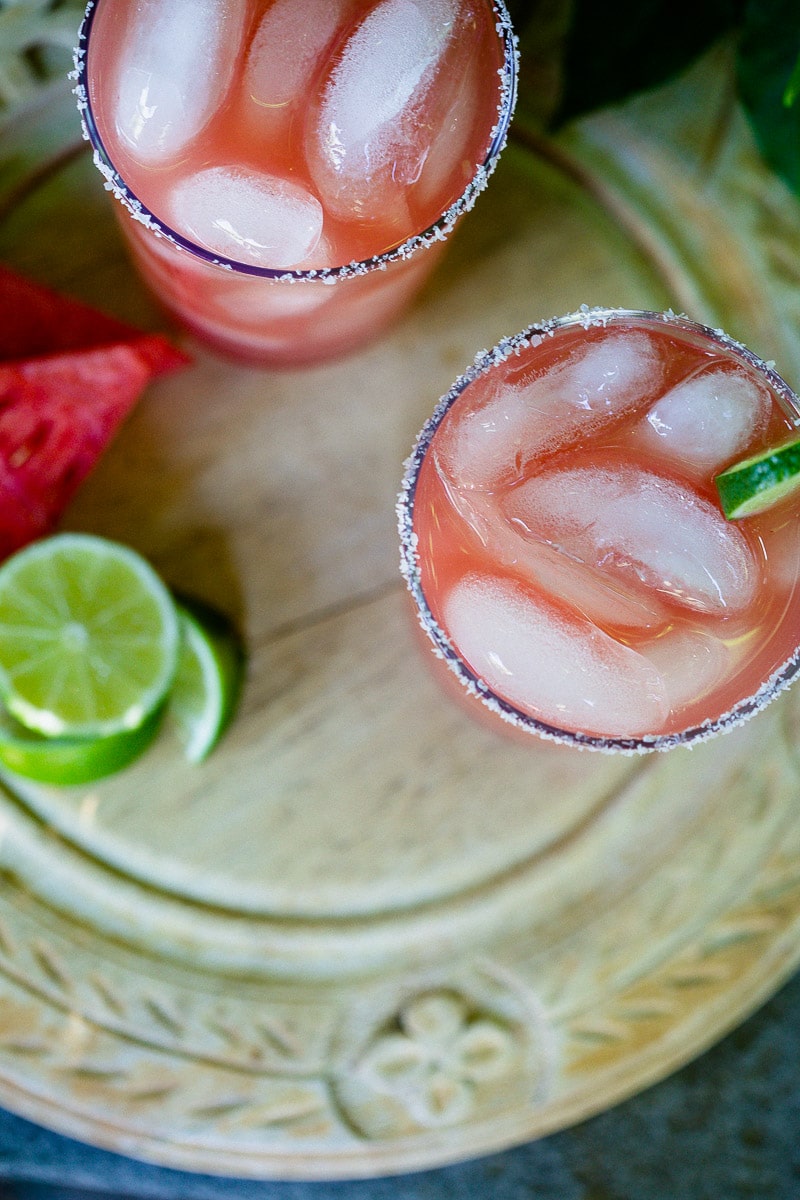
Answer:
(437, 1057)
(449, 1053)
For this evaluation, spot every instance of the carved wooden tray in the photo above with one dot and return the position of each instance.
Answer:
(369, 935)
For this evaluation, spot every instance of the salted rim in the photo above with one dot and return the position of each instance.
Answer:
(485, 361)
(437, 232)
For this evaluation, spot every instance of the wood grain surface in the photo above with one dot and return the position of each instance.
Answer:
(371, 934)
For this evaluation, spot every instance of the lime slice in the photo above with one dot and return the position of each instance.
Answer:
(66, 760)
(88, 637)
(208, 680)
(757, 483)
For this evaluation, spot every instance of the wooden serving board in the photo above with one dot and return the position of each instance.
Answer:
(370, 935)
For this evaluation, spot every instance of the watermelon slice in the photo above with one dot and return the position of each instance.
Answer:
(68, 379)
(35, 320)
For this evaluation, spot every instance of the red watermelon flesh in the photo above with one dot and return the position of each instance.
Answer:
(35, 320)
(68, 379)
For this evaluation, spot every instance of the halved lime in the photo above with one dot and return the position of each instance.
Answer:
(88, 637)
(67, 761)
(208, 679)
(754, 485)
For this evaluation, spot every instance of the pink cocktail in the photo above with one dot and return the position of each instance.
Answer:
(293, 166)
(564, 541)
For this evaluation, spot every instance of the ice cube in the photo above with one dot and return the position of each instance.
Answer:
(173, 72)
(614, 604)
(286, 52)
(453, 157)
(781, 538)
(691, 663)
(247, 216)
(707, 420)
(366, 142)
(492, 441)
(632, 523)
(550, 664)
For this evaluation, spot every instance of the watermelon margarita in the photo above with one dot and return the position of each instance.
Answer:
(564, 542)
(293, 165)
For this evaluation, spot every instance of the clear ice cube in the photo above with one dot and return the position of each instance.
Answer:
(707, 420)
(782, 542)
(492, 442)
(452, 158)
(635, 524)
(552, 665)
(173, 72)
(611, 603)
(247, 216)
(286, 53)
(691, 663)
(366, 142)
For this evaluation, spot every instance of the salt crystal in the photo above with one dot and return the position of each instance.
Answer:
(491, 442)
(173, 72)
(634, 524)
(707, 420)
(554, 666)
(247, 216)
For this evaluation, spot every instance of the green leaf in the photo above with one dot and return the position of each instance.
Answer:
(793, 86)
(616, 50)
(768, 80)
(543, 27)
(36, 41)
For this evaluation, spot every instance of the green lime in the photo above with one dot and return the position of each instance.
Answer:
(88, 637)
(208, 679)
(66, 760)
(757, 483)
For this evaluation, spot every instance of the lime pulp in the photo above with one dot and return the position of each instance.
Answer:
(89, 637)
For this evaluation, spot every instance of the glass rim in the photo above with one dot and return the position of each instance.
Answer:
(410, 569)
(438, 231)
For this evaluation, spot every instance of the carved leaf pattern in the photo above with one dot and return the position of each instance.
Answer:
(105, 1074)
(256, 1036)
(596, 963)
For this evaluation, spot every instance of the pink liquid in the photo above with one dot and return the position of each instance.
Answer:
(288, 137)
(571, 554)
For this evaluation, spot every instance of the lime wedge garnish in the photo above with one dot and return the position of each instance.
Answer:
(68, 760)
(88, 637)
(208, 679)
(757, 483)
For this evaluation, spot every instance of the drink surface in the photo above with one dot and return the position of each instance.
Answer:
(569, 539)
(296, 134)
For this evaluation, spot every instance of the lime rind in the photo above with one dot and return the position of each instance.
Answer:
(94, 650)
(71, 761)
(208, 679)
(757, 483)
(89, 637)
